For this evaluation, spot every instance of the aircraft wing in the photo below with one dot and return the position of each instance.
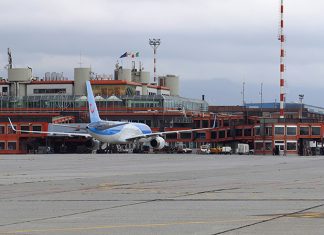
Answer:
(170, 132)
(50, 132)
(98, 125)
(72, 127)
(105, 125)
(165, 133)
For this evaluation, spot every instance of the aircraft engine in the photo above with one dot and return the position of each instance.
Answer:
(93, 144)
(157, 142)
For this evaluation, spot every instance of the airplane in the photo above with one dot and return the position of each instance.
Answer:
(115, 132)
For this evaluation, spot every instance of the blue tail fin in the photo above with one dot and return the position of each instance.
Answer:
(93, 111)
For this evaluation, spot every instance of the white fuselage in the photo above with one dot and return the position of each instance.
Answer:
(119, 134)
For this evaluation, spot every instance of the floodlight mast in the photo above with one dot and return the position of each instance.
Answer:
(154, 43)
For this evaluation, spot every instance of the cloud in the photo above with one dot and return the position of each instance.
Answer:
(230, 40)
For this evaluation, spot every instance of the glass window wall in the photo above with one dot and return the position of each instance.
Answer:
(279, 130)
(304, 130)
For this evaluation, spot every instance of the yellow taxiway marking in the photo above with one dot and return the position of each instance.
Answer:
(311, 215)
(76, 229)
(314, 215)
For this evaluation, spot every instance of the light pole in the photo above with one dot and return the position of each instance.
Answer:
(261, 96)
(154, 43)
(301, 97)
(243, 94)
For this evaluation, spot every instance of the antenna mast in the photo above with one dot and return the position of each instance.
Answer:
(282, 64)
(9, 59)
(80, 63)
(154, 43)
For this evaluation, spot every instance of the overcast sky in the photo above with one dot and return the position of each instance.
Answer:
(213, 45)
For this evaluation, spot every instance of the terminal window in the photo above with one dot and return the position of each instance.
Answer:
(24, 128)
(229, 133)
(49, 91)
(291, 146)
(205, 123)
(221, 134)
(316, 130)
(200, 135)
(171, 136)
(185, 135)
(268, 131)
(268, 146)
(279, 130)
(213, 135)
(10, 130)
(238, 132)
(2, 130)
(247, 132)
(37, 128)
(12, 145)
(304, 130)
(258, 145)
(291, 130)
(4, 91)
(226, 123)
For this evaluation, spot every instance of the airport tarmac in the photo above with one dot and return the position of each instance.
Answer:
(161, 194)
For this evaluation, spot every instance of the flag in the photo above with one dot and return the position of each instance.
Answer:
(134, 54)
(131, 54)
(124, 55)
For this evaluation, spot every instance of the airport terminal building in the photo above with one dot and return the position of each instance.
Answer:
(38, 104)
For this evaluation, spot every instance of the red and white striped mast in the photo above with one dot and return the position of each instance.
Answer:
(282, 64)
(154, 43)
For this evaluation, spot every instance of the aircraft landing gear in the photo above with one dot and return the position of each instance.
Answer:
(137, 147)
